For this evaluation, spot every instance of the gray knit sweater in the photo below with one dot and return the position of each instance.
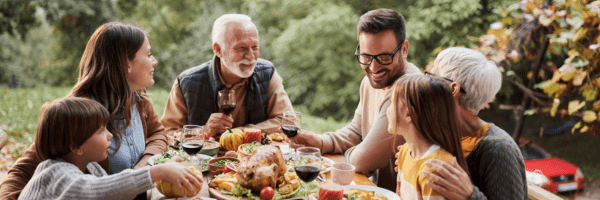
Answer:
(58, 179)
(497, 168)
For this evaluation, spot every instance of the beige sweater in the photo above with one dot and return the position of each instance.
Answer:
(365, 141)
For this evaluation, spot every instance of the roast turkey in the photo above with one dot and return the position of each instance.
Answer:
(264, 167)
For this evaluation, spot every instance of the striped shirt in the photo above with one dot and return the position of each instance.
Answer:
(411, 180)
(58, 179)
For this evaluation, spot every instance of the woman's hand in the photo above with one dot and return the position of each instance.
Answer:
(177, 175)
(305, 138)
(451, 181)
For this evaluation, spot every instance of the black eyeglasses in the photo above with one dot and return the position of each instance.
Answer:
(432, 74)
(384, 58)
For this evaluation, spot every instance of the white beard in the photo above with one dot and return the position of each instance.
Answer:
(235, 69)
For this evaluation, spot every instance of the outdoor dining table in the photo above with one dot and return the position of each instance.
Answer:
(359, 179)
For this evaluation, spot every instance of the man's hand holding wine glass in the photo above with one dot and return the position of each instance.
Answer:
(218, 122)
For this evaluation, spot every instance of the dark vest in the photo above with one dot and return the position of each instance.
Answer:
(200, 86)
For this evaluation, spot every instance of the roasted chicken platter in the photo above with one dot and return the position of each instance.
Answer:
(265, 167)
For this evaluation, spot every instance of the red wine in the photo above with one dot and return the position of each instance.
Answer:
(227, 109)
(307, 173)
(290, 131)
(192, 148)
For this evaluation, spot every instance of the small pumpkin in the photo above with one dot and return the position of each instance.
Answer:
(252, 134)
(231, 139)
(170, 191)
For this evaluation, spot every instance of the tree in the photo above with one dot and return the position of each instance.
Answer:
(315, 56)
(74, 22)
(566, 34)
(17, 17)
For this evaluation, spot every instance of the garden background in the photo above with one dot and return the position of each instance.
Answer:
(546, 50)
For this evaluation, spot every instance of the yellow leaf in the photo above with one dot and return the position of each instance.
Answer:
(554, 108)
(580, 34)
(556, 76)
(588, 53)
(589, 116)
(530, 6)
(584, 129)
(551, 88)
(574, 106)
(567, 72)
(579, 78)
(590, 92)
(529, 74)
(575, 127)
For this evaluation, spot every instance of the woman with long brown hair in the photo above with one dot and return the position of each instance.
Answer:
(422, 111)
(116, 67)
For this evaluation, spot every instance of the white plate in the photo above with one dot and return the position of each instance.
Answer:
(189, 198)
(328, 161)
(202, 156)
(389, 194)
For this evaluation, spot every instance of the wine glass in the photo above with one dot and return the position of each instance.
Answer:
(192, 140)
(227, 101)
(308, 164)
(291, 123)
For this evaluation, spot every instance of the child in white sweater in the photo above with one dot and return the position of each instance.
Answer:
(72, 137)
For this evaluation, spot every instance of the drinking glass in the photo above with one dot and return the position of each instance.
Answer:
(227, 101)
(192, 140)
(308, 164)
(291, 123)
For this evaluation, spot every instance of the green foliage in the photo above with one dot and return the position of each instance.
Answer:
(74, 23)
(17, 17)
(23, 60)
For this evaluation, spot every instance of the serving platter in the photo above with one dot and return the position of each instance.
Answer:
(152, 161)
(389, 194)
(325, 166)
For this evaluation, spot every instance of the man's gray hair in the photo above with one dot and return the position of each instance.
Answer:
(220, 25)
(478, 76)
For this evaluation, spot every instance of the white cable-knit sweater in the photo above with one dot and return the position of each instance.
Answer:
(58, 179)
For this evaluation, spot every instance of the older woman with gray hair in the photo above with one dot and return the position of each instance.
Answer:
(493, 158)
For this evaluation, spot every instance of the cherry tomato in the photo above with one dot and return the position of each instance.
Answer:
(267, 193)
(226, 170)
(206, 136)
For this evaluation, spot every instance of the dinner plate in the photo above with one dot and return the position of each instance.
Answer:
(200, 156)
(326, 162)
(191, 198)
(389, 194)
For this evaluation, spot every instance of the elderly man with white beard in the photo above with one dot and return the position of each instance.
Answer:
(260, 97)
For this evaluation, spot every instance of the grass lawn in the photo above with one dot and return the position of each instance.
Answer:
(20, 108)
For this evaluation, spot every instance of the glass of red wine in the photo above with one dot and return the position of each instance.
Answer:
(308, 164)
(291, 123)
(227, 101)
(192, 140)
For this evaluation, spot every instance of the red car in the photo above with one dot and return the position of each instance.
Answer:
(551, 173)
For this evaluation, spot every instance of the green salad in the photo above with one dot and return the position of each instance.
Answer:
(222, 162)
(165, 156)
(249, 147)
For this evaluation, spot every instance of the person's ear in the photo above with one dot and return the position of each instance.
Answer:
(77, 151)
(455, 87)
(129, 66)
(217, 49)
(404, 50)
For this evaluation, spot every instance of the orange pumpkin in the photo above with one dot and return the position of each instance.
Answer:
(170, 191)
(232, 139)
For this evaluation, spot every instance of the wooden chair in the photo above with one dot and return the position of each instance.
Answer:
(3, 139)
(535, 192)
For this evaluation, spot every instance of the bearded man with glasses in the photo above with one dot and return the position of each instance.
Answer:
(365, 141)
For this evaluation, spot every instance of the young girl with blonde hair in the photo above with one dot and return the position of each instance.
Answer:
(422, 111)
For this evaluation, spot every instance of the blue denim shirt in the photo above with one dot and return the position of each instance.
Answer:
(133, 144)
